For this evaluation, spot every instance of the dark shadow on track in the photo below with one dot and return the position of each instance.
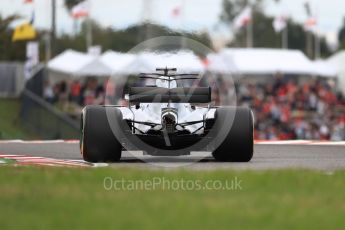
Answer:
(155, 159)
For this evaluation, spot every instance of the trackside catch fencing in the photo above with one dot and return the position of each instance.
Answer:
(11, 78)
(42, 118)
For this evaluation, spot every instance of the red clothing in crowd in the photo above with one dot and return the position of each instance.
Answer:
(75, 89)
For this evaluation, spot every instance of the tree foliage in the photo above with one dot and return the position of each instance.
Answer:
(107, 38)
(70, 3)
(263, 32)
(10, 51)
(231, 8)
(121, 40)
(341, 36)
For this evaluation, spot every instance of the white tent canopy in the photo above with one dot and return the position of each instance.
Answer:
(220, 64)
(269, 61)
(256, 61)
(119, 63)
(127, 63)
(78, 64)
(338, 62)
(183, 61)
(323, 68)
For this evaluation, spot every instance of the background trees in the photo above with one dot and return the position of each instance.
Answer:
(341, 36)
(125, 39)
(264, 34)
(10, 51)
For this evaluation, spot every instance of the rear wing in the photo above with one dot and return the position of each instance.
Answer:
(165, 95)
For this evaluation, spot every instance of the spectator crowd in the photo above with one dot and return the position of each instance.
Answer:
(91, 92)
(283, 109)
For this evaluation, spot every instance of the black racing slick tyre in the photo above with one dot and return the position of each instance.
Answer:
(238, 145)
(98, 143)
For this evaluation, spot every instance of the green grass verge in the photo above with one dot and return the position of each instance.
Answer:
(10, 127)
(61, 198)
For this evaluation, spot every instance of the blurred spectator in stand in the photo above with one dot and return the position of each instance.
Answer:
(63, 95)
(56, 91)
(89, 92)
(75, 91)
(338, 132)
(110, 92)
(100, 95)
(48, 93)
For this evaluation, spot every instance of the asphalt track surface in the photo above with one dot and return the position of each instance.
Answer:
(266, 156)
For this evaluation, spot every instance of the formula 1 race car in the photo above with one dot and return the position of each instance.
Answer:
(167, 120)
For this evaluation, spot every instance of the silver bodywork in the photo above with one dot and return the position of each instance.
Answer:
(153, 112)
